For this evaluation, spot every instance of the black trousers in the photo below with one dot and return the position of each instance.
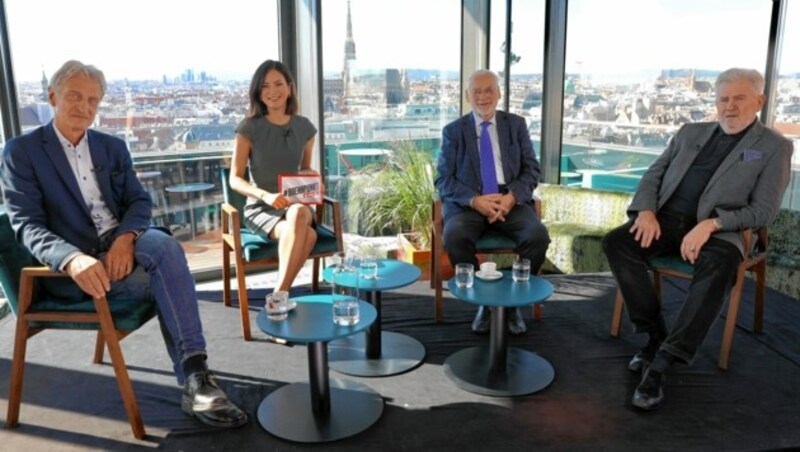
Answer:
(462, 231)
(714, 276)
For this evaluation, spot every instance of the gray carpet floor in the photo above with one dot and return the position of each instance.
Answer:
(71, 404)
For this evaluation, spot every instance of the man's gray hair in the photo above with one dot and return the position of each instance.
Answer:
(752, 76)
(481, 72)
(75, 67)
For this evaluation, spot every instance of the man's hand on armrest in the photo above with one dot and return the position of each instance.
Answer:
(89, 274)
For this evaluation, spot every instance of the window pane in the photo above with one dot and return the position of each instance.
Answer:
(527, 60)
(391, 81)
(2, 146)
(636, 70)
(787, 111)
(177, 76)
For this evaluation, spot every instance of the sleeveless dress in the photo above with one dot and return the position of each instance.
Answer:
(275, 150)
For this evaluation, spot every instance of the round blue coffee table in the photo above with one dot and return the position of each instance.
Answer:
(500, 370)
(377, 353)
(320, 410)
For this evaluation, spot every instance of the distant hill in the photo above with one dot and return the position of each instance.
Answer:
(699, 73)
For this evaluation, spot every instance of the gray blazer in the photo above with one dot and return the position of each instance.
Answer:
(745, 191)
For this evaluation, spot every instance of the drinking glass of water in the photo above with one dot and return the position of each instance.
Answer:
(369, 267)
(345, 310)
(521, 270)
(345, 295)
(465, 275)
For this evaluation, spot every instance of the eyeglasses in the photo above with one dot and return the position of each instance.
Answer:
(485, 91)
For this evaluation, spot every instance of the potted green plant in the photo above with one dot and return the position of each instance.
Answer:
(395, 198)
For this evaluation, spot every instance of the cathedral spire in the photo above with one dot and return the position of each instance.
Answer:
(349, 56)
(45, 85)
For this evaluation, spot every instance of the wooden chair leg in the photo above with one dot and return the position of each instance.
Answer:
(315, 275)
(118, 362)
(537, 312)
(17, 373)
(226, 274)
(616, 317)
(761, 282)
(730, 321)
(244, 304)
(438, 309)
(436, 280)
(99, 347)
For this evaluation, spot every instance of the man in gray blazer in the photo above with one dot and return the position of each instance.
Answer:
(470, 203)
(714, 180)
(75, 203)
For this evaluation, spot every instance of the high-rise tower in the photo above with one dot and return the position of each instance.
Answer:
(348, 78)
(45, 85)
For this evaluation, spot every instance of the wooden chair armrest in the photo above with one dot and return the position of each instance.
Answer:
(436, 219)
(336, 218)
(230, 221)
(229, 209)
(762, 239)
(42, 272)
(537, 206)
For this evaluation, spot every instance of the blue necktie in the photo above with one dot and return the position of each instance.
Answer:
(488, 175)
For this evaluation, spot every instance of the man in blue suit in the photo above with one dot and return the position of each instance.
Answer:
(489, 192)
(76, 204)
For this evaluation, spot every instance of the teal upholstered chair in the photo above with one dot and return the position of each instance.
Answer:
(754, 261)
(113, 320)
(490, 243)
(249, 250)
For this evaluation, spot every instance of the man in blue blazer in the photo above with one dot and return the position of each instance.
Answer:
(492, 191)
(75, 202)
(714, 180)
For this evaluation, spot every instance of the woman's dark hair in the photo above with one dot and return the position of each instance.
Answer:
(257, 106)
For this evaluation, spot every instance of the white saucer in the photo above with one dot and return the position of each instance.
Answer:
(291, 305)
(489, 276)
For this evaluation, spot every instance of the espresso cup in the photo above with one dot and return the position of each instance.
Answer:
(488, 268)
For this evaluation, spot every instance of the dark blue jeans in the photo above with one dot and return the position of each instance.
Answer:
(161, 273)
(714, 275)
(462, 231)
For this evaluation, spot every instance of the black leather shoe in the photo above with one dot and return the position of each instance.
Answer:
(203, 399)
(516, 324)
(481, 323)
(640, 361)
(649, 395)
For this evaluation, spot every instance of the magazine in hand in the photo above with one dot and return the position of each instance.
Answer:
(301, 188)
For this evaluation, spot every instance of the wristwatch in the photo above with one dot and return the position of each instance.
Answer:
(717, 223)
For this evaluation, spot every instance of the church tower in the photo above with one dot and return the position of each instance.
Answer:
(348, 78)
(45, 84)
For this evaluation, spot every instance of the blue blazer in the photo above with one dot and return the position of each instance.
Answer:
(459, 164)
(45, 204)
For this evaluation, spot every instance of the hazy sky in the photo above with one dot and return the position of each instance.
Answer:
(152, 38)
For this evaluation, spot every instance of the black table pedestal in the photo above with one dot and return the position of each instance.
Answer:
(321, 410)
(376, 353)
(498, 370)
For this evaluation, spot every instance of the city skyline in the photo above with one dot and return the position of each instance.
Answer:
(130, 52)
